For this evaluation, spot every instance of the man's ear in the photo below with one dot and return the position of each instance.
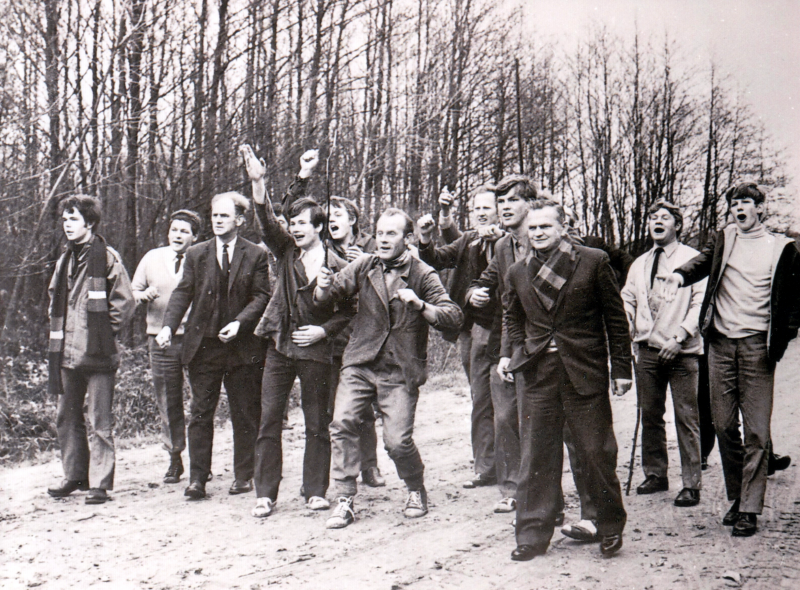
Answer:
(761, 209)
(239, 220)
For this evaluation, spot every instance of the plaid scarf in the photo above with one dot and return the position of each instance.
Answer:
(100, 337)
(553, 273)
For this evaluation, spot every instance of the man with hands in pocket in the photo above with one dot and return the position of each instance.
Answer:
(399, 296)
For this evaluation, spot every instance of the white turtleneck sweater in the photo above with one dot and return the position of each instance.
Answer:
(743, 295)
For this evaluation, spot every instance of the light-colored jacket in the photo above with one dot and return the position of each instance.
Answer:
(683, 311)
(157, 269)
(76, 325)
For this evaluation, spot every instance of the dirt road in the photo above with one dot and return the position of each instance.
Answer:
(149, 536)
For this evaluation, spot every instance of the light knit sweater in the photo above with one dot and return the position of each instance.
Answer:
(157, 269)
(743, 296)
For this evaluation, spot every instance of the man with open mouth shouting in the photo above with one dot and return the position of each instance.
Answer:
(750, 312)
(385, 358)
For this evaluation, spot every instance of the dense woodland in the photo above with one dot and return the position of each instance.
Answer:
(145, 102)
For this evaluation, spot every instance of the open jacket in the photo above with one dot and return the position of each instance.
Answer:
(292, 305)
(372, 330)
(587, 322)
(76, 324)
(248, 294)
(784, 308)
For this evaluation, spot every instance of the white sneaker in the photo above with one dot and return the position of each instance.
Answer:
(263, 508)
(317, 503)
(505, 506)
(343, 514)
(416, 504)
(585, 530)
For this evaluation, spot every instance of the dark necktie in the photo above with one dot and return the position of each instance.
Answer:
(178, 258)
(226, 263)
(654, 270)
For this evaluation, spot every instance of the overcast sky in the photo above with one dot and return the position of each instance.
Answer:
(756, 41)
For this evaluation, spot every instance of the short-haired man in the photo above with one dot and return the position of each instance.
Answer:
(469, 256)
(226, 283)
(513, 196)
(302, 338)
(156, 277)
(564, 320)
(750, 312)
(667, 344)
(385, 358)
(90, 300)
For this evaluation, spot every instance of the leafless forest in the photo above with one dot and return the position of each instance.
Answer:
(144, 103)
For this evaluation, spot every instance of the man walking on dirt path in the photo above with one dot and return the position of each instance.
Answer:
(399, 296)
(90, 300)
(226, 283)
(564, 320)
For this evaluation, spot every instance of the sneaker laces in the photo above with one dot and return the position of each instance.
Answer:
(415, 500)
(344, 506)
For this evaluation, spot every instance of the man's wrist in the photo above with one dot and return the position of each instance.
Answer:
(305, 173)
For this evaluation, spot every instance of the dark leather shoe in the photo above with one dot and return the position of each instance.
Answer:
(653, 484)
(778, 463)
(746, 526)
(175, 470)
(480, 481)
(241, 486)
(372, 477)
(96, 496)
(732, 515)
(688, 497)
(196, 490)
(610, 544)
(527, 552)
(67, 487)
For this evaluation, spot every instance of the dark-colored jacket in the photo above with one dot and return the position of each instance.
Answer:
(784, 308)
(372, 330)
(248, 295)
(467, 257)
(587, 323)
(76, 323)
(494, 277)
(292, 304)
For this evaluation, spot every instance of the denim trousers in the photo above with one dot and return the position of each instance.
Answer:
(167, 370)
(367, 435)
(359, 386)
(652, 378)
(82, 461)
(742, 380)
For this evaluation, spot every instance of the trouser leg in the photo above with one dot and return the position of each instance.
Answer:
(541, 413)
(483, 416)
(354, 396)
(71, 426)
(100, 399)
(683, 385)
(243, 386)
(367, 436)
(205, 376)
(314, 395)
(276, 385)
(723, 377)
(651, 387)
(756, 384)
(590, 421)
(398, 404)
(167, 370)
(507, 441)
(465, 351)
(588, 507)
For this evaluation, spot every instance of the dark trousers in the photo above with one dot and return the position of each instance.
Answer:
(652, 378)
(708, 436)
(167, 370)
(315, 383)
(213, 364)
(482, 374)
(465, 351)
(547, 400)
(80, 464)
(588, 507)
(742, 379)
(359, 386)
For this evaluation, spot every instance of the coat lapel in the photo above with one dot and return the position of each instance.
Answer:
(573, 264)
(379, 284)
(236, 262)
(211, 263)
